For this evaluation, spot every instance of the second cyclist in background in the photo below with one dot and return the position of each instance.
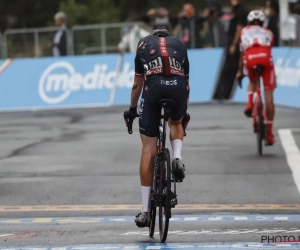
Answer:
(256, 43)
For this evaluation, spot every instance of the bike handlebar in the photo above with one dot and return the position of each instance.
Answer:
(130, 122)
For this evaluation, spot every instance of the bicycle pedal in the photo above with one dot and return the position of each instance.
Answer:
(176, 180)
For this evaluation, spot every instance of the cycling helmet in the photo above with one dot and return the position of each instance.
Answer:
(256, 16)
(161, 33)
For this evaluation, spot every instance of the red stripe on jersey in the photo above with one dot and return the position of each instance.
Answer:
(165, 54)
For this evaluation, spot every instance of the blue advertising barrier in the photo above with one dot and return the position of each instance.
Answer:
(287, 69)
(81, 81)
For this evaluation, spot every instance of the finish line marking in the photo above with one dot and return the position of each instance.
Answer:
(169, 246)
(182, 219)
(117, 207)
(222, 232)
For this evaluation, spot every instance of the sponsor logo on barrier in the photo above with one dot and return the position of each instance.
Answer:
(286, 74)
(61, 79)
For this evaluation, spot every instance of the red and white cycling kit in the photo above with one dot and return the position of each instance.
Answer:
(256, 43)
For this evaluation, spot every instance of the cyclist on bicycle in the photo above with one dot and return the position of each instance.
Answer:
(256, 43)
(162, 72)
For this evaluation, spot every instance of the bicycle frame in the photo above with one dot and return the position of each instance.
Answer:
(257, 101)
(161, 140)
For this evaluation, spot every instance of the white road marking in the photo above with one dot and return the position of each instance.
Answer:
(220, 231)
(292, 153)
(190, 218)
(281, 218)
(215, 218)
(217, 246)
(121, 219)
(5, 235)
(240, 218)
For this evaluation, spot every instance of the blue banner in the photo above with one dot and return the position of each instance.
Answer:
(89, 80)
(204, 68)
(287, 69)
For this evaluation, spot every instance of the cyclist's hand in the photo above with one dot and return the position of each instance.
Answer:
(130, 115)
(239, 77)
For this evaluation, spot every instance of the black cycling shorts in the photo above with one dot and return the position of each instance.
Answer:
(156, 88)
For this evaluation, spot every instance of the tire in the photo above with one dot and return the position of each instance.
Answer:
(152, 218)
(164, 204)
(152, 211)
(261, 133)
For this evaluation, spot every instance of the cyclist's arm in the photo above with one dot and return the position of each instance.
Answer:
(241, 62)
(136, 90)
(186, 66)
(138, 82)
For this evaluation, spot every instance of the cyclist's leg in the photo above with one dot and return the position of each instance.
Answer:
(269, 86)
(186, 119)
(149, 128)
(148, 152)
(176, 137)
(253, 77)
(180, 95)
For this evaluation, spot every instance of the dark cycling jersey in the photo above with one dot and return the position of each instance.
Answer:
(164, 56)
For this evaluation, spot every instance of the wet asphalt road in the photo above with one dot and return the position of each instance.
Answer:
(86, 157)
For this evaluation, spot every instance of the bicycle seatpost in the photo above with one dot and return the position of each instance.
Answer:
(167, 111)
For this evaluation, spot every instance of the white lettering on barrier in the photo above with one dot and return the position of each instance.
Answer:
(64, 84)
(286, 75)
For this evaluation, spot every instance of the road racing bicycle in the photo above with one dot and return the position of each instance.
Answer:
(163, 190)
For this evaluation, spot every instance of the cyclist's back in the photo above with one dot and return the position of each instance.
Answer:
(164, 62)
(256, 43)
(161, 56)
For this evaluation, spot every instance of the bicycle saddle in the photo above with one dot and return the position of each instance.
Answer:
(259, 68)
(167, 102)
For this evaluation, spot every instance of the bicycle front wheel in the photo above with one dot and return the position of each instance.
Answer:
(164, 190)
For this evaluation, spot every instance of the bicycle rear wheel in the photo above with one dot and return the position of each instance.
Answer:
(164, 190)
(261, 129)
(152, 214)
(152, 202)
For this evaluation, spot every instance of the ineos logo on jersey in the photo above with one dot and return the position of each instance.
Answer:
(171, 82)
